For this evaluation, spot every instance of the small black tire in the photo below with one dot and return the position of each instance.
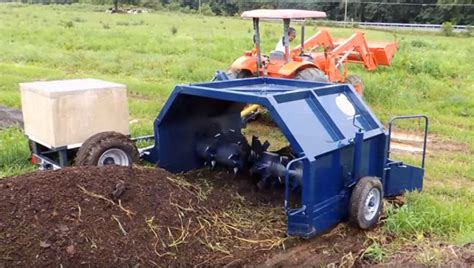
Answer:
(238, 74)
(107, 148)
(311, 74)
(366, 203)
(356, 82)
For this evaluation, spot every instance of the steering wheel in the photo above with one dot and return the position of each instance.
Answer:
(306, 56)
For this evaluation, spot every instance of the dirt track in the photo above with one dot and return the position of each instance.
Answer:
(10, 117)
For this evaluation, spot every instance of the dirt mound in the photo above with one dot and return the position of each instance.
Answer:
(145, 216)
(105, 216)
(113, 215)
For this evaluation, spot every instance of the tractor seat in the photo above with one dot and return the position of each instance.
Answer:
(276, 55)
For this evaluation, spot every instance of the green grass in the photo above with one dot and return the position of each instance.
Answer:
(14, 153)
(429, 214)
(374, 253)
(151, 53)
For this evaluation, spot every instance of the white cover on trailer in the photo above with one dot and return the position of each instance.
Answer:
(67, 112)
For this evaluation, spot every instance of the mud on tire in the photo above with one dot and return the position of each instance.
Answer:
(100, 145)
(366, 203)
(311, 74)
(238, 74)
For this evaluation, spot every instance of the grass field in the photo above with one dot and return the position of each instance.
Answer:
(151, 53)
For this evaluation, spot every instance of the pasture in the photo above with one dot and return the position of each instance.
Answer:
(151, 53)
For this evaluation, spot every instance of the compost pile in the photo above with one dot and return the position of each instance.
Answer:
(115, 215)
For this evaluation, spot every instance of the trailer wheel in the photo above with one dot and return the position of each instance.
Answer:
(311, 74)
(107, 148)
(356, 82)
(366, 202)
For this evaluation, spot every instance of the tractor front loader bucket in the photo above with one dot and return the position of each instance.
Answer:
(383, 52)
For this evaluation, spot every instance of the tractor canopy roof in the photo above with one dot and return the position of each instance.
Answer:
(283, 14)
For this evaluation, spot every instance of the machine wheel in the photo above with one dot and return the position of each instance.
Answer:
(311, 74)
(238, 74)
(366, 202)
(107, 148)
(356, 82)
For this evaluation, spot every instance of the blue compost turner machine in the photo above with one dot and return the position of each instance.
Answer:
(339, 166)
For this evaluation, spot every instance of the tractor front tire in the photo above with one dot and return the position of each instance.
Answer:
(238, 74)
(356, 82)
(107, 148)
(311, 74)
(366, 203)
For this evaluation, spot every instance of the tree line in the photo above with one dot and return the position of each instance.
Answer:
(396, 11)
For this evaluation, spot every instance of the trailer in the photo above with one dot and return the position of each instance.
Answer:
(339, 167)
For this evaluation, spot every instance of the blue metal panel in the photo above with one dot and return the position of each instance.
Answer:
(401, 177)
(307, 123)
(291, 104)
(180, 128)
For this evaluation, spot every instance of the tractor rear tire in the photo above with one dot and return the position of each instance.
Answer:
(238, 74)
(311, 74)
(356, 82)
(107, 148)
(366, 203)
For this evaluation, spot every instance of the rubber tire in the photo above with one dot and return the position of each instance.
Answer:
(356, 82)
(238, 74)
(358, 197)
(311, 74)
(95, 146)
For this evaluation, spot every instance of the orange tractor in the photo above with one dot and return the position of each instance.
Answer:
(319, 58)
